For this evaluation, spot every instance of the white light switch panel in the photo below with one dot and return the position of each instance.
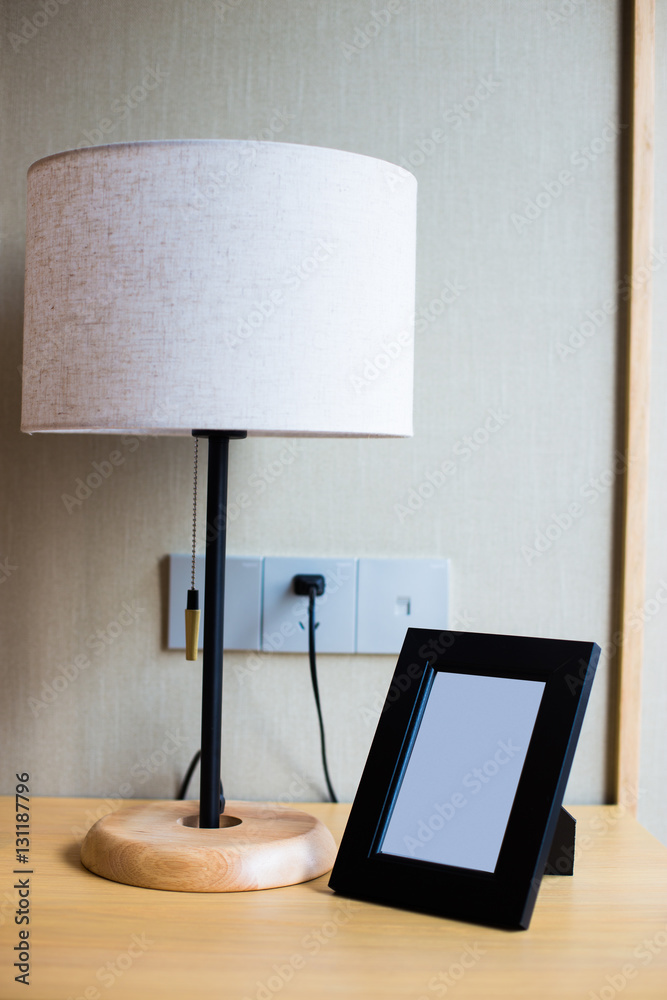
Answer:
(243, 596)
(397, 594)
(367, 606)
(285, 612)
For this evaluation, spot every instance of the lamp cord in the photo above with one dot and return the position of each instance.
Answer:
(312, 593)
(186, 781)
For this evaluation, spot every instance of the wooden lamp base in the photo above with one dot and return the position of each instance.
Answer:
(158, 845)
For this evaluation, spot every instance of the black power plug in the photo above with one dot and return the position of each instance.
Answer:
(304, 581)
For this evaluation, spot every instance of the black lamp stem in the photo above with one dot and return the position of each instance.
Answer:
(211, 713)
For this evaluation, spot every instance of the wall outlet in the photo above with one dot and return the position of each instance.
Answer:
(367, 606)
(397, 594)
(285, 616)
(243, 600)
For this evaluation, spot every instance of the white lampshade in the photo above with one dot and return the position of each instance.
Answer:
(225, 285)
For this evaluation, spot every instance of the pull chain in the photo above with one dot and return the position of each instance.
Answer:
(194, 515)
(192, 612)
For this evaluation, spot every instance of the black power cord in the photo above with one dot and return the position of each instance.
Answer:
(186, 781)
(312, 586)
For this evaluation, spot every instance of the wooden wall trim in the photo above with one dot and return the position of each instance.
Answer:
(640, 231)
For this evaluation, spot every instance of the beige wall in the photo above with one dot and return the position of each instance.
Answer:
(500, 298)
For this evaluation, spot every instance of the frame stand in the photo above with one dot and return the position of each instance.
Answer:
(223, 848)
(561, 852)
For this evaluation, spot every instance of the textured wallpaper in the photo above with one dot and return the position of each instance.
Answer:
(508, 115)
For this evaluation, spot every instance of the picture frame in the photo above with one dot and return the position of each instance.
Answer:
(461, 794)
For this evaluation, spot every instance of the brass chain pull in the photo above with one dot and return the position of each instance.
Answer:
(192, 612)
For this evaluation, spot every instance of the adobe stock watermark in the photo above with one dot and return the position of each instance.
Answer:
(97, 642)
(371, 712)
(652, 605)
(140, 773)
(293, 625)
(564, 11)
(462, 621)
(561, 522)
(394, 348)
(594, 319)
(31, 26)
(463, 450)
(364, 34)
(644, 953)
(472, 782)
(213, 184)
(100, 472)
(424, 148)
(311, 945)
(6, 569)
(550, 191)
(430, 652)
(280, 117)
(455, 116)
(435, 307)
(121, 107)
(634, 620)
(385, 358)
(257, 483)
(293, 278)
(447, 979)
(298, 789)
(600, 826)
(109, 973)
(223, 7)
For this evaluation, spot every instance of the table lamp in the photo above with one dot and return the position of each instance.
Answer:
(219, 288)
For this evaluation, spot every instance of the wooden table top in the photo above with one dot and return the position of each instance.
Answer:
(594, 935)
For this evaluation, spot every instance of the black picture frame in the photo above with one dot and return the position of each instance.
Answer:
(504, 896)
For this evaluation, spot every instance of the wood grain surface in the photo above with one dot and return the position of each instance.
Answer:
(638, 365)
(158, 845)
(599, 931)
